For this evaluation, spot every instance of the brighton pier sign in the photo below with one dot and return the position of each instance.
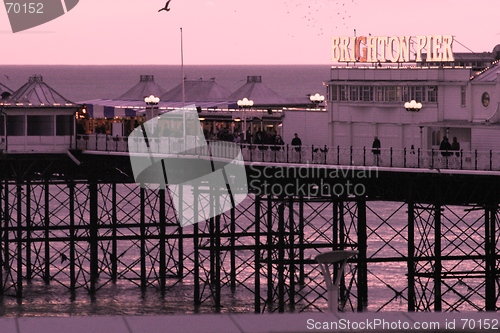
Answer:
(438, 48)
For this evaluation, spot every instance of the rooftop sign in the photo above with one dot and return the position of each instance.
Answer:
(393, 49)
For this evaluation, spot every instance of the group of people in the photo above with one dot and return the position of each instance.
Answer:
(445, 147)
(259, 138)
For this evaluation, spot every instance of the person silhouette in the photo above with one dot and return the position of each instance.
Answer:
(296, 142)
(376, 150)
(455, 145)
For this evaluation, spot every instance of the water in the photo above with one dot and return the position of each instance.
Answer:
(79, 83)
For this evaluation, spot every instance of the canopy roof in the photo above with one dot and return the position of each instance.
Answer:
(197, 91)
(37, 93)
(259, 93)
(146, 87)
(5, 90)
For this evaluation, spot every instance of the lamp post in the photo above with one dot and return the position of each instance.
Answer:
(151, 101)
(317, 99)
(244, 104)
(413, 107)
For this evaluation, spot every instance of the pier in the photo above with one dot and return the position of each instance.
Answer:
(75, 219)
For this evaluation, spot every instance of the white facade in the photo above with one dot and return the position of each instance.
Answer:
(311, 125)
(38, 130)
(364, 102)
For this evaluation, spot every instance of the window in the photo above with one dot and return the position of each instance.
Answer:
(64, 125)
(462, 96)
(343, 93)
(367, 93)
(332, 91)
(379, 94)
(15, 125)
(40, 125)
(354, 93)
(391, 94)
(485, 99)
(405, 94)
(417, 93)
(432, 94)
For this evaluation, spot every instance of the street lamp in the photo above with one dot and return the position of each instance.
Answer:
(244, 104)
(414, 107)
(317, 99)
(151, 101)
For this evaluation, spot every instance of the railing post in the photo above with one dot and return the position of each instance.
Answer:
(418, 158)
(364, 155)
(325, 152)
(461, 159)
(350, 156)
(491, 160)
(338, 155)
(312, 153)
(391, 156)
(404, 157)
(475, 159)
(287, 153)
(432, 158)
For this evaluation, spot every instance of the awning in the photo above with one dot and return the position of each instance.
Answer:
(101, 111)
(110, 108)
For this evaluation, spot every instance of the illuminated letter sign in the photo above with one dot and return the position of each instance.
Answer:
(394, 48)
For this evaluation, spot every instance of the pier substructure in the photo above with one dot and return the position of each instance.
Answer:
(292, 231)
(427, 241)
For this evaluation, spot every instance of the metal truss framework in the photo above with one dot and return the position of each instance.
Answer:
(89, 235)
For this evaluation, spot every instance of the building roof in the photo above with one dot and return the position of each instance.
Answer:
(5, 90)
(197, 91)
(146, 87)
(37, 93)
(489, 74)
(259, 93)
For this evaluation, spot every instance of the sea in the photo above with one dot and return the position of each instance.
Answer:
(83, 83)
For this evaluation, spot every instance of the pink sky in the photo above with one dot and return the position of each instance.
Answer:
(238, 31)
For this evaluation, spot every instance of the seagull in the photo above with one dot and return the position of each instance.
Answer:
(8, 78)
(166, 7)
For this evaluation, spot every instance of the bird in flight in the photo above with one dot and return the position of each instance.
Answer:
(166, 7)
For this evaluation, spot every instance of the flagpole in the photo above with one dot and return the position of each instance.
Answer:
(182, 70)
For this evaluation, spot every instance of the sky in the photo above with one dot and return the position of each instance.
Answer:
(238, 31)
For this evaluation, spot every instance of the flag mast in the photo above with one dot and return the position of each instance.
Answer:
(182, 73)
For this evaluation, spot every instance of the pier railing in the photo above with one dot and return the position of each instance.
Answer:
(387, 157)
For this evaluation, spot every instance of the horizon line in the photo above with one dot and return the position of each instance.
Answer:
(269, 64)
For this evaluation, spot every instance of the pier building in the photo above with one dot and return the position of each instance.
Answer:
(37, 119)
(460, 98)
